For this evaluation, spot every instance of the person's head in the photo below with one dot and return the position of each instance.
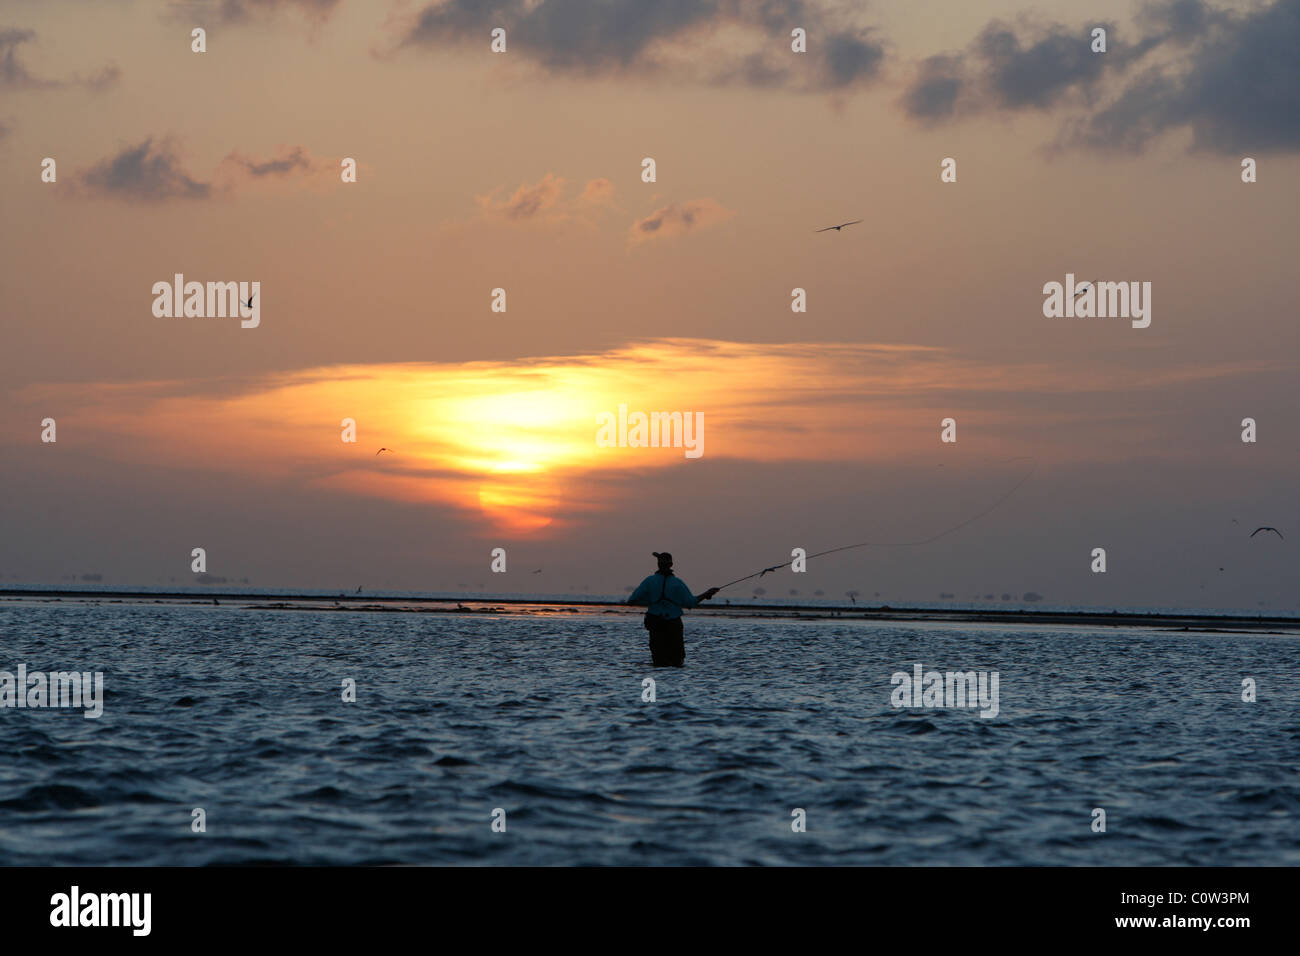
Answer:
(665, 560)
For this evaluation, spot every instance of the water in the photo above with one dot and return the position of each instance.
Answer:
(239, 711)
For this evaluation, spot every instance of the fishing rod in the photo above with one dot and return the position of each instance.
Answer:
(903, 544)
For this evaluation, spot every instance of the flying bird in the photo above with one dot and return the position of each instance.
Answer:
(775, 567)
(1274, 530)
(389, 450)
(538, 571)
(248, 304)
(839, 227)
(1082, 288)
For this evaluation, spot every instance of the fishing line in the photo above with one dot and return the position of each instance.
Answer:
(904, 544)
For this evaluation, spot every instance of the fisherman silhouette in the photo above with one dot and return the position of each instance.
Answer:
(664, 595)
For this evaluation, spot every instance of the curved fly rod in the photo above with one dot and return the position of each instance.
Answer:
(904, 544)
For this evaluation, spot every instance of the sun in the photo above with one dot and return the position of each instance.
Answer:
(510, 507)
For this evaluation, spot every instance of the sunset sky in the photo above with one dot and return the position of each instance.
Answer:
(522, 170)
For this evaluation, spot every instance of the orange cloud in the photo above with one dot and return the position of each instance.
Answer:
(598, 192)
(517, 441)
(287, 161)
(678, 219)
(527, 202)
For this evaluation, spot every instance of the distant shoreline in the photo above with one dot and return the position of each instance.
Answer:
(485, 605)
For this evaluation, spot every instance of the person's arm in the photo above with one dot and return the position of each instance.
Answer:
(641, 596)
(687, 599)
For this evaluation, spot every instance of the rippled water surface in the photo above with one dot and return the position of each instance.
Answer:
(239, 711)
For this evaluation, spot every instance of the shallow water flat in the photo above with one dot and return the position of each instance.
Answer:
(240, 712)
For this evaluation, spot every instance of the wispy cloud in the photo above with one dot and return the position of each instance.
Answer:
(15, 76)
(147, 172)
(527, 202)
(678, 219)
(545, 201)
(104, 78)
(287, 162)
(152, 171)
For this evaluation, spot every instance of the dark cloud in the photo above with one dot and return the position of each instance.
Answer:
(1038, 74)
(147, 172)
(294, 159)
(242, 11)
(850, 58)
(1144, 109)
(13, 74)
(678, 219)
(152, 172)
(583, 37)
(103, 79)
(1180, 21)
(1003, 70)
(1232, 78)
(1237, 89)
(933, 96)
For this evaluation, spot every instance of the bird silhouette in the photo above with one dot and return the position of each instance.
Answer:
(358, 590)
(248, 304)
(1082, 288)
(389, 450)
(1274, 530)
(839, 227)
(775, 567)
(538, 571)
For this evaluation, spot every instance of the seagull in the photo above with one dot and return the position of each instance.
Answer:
(389, 450)
(839, 227)
(1274, 530)
(248, 304)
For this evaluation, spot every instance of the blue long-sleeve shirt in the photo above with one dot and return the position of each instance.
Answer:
(662, 596)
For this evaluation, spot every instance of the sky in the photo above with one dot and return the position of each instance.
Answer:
(522, 171)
